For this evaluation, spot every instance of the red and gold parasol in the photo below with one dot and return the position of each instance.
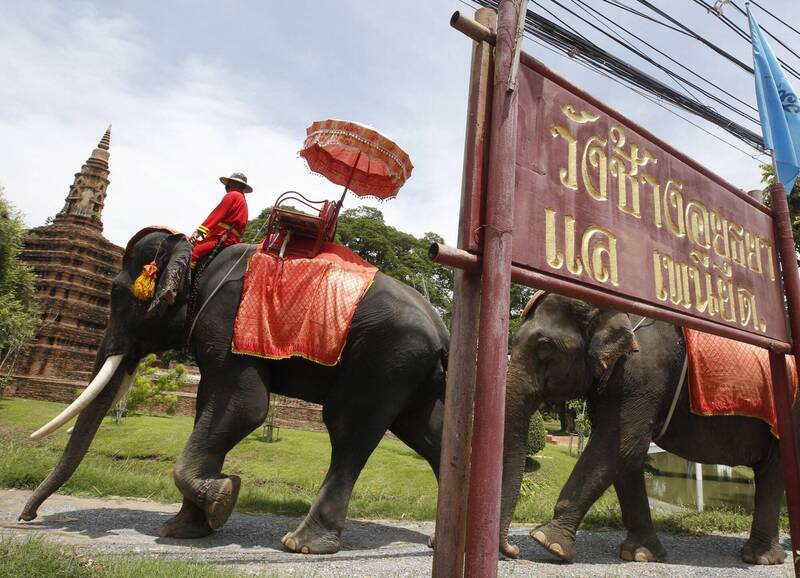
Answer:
(357, 157)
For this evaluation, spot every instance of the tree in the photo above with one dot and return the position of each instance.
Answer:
(537, 435)
(398, 254)
(19, 310)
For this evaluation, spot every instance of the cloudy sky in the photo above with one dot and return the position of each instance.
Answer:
(198, 89)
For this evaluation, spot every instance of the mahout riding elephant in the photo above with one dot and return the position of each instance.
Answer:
(563, 350)
(391, 377)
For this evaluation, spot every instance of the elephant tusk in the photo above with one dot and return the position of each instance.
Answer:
(92, 391)
(127, 381)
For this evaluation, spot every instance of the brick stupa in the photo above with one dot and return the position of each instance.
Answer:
(74, 264)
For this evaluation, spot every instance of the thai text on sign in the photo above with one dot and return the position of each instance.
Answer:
(603, 203)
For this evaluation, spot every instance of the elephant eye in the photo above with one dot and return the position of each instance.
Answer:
(544, 347)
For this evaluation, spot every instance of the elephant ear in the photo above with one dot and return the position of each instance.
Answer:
(611, 338)
(173, 264)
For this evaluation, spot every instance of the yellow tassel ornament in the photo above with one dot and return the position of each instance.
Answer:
(145, 285)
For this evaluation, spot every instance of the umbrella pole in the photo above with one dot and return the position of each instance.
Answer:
(350, 178)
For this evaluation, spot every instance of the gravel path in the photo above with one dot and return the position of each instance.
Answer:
(391, 549)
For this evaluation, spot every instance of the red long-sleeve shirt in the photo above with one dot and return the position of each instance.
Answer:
(229, 216)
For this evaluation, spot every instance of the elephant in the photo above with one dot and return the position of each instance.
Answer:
(565, 349)
(391, 376)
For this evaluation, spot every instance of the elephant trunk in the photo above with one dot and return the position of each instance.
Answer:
(521, 401)
(82, 435)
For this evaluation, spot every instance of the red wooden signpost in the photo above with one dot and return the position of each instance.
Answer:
(602, 210)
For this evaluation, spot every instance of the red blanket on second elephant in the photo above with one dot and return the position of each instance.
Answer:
(300, 307)
(727, 377)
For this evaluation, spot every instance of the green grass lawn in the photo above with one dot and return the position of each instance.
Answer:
(135, 459)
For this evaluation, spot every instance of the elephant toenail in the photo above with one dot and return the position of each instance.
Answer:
(305, 550)
(557, 549)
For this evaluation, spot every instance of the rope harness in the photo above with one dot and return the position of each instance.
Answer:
(610, 369)
(194, 292)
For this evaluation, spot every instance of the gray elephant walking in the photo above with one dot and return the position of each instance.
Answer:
(391, 377)
(561, 352)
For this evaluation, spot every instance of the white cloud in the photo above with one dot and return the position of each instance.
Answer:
(184, 117)
(170, 139)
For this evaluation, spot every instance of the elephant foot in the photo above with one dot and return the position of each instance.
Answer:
(303, 542)
(218, 497)
(759, 553)
(634, 549)
(556, 541)
(508, 549)
(189, 522)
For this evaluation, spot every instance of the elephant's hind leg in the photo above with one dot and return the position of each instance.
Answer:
(231, 404)
(356, 423)
(421, 430)
(763, 547)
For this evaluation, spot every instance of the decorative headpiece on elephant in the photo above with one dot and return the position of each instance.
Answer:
(567, 348)
(148, 252)
(391, 376)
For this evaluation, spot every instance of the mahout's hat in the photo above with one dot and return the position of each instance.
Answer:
(237, 178)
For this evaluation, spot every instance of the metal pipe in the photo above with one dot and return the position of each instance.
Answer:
(483, 516)
(454, 461)
(478, 31)
(780, 380)
(453, 257)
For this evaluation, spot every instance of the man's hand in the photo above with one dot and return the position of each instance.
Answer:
(196, 236)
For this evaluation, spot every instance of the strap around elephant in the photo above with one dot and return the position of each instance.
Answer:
(674, 399)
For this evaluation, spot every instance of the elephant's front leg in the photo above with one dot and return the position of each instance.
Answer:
(231, 404)
(642, 543)
(598, 467)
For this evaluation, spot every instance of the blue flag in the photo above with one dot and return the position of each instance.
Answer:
(778, 108)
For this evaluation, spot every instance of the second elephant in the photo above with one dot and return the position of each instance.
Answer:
(561, 352)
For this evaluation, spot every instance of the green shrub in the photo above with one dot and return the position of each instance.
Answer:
(151, 391)
(537, 436)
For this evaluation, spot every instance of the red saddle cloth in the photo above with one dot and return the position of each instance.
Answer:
(727, 377)
(300, 307)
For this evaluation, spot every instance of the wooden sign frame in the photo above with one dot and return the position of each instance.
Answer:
(467, 529)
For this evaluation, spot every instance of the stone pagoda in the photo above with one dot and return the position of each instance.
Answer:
(74, 264)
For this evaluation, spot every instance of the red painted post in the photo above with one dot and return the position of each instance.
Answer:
(451, 512)
(780, 381)
(780, 393)
(483, 517)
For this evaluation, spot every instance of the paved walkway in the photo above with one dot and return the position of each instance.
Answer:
(391, 549)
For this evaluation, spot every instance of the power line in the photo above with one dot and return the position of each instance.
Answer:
(583, 50)
(758, 156)
(768, 33)
(746, 36)
(694, 34)
(774, 17)
(668, 57)
(627, 8)
(661, 67)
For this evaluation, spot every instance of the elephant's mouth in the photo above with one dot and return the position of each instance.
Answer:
(103, 377)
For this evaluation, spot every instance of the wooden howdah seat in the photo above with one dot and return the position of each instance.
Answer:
(300, 234)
